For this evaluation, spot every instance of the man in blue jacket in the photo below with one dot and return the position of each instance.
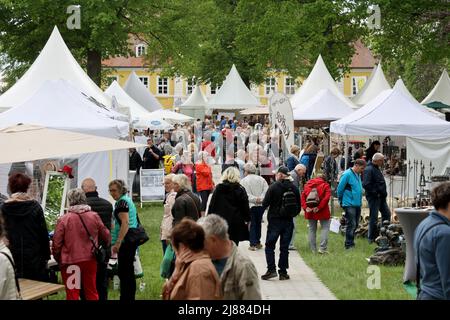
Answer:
(375, 186)
(432, 248)
(350, 197)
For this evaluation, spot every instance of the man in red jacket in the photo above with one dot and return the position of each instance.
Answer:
(317, 210)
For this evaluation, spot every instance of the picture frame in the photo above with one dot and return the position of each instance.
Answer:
(54, 197)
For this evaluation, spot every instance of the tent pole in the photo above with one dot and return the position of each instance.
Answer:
(345, 153)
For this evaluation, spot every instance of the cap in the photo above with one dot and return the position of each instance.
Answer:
(284, 170)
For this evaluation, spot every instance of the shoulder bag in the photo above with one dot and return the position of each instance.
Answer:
(99, 251)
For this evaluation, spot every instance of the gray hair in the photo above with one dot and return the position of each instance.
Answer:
(250, 168)
(76, 197)
(300, 166)
(377, 156)
(183, 181)
(232, 175)
(214, 225)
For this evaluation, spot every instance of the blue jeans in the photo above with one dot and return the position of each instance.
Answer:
(278, 228)
(377, 204)
(352, 215)
(256, 214)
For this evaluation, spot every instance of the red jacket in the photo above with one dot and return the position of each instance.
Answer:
(71, 242)
(204, 177)
(323, 188)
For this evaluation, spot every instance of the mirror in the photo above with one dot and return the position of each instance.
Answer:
(54, 197)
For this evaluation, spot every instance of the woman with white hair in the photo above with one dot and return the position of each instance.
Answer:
(186, 203)
(204, 179)
(167, 220)
(73, 245)
(230, 201)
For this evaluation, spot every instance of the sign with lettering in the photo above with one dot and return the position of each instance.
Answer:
(281, 117)
(152, 185)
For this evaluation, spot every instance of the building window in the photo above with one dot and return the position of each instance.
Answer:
(213, 89)
(141, 49)
(357, 84)
(190, 85)
(111, 79)
(289, 85)
(270, 85)
(144, 80)
(163, 85)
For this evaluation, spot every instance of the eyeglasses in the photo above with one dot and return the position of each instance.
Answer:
(112, 190)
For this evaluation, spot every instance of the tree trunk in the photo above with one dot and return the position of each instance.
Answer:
(94, 66)
(246, 81)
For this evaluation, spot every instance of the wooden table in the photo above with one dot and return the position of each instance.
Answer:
(33, 290)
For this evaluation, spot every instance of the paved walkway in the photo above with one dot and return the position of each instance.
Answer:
(303, 284)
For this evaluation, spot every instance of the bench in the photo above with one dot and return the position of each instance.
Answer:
(33, 290)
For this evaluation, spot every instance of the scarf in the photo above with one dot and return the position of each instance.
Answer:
(79, 208)
(19, 197)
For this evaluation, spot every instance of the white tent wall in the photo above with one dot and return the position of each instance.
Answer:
(4, 170)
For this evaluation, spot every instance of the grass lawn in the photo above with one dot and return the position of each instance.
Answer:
(346, 273)
(150, 255)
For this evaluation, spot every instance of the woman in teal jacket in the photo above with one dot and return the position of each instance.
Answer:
(350, 198)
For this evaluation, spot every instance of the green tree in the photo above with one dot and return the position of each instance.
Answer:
(204, 38)
(413, 41)
(25, 26)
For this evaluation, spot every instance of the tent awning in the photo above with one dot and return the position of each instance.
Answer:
(24, 142)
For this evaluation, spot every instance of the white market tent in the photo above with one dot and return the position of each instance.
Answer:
(23, 142)
(318, 79)
(256, 111)
(324, 106)
(400, 85)
(233, 94)
(140, 117)
(376, 84)
(140, 93)
(171, 116)
(195, 105)
(57, 105)
(54, 62)
(440, 92)
(392, 113)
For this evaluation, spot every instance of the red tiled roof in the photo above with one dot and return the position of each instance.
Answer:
(362, 58)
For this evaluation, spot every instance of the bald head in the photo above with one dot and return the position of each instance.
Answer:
(88, 185)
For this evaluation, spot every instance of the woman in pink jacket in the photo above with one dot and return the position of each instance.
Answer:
(73, 249)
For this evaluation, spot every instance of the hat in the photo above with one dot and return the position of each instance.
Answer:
(284, 170)
(67, 170)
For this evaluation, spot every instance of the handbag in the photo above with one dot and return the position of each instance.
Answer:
(99, 251)
(168, 263)
(136, 236)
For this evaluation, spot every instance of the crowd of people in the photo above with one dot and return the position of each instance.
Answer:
(203, 222)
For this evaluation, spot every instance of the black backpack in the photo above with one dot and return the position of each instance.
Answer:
(289, 206)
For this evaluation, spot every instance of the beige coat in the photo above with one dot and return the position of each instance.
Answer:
(8, 290)
(194, 278)
(239, 278)
(167, 221)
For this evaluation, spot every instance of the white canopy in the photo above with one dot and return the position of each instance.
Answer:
(392, 113)
(54, 62)
(325, 105)
(318, 79)
(26, 143)
(441, 91)
(255, 111)
(233, 94)
(58, 105)
(140, 93)
(155, 124)
(400, 85)
(195, 100)
(171, 116)
(373, 87)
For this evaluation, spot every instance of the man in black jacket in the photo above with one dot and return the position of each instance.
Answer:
(279, 226)
(152, 156)
(376, 194)
(104, 209)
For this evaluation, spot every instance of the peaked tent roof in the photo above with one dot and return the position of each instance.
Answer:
(140, 93)
(58, 105)
(318, 79)
(395, 114)
(400, 85)
(233, 94)
(373, 87)
(195, 100)
(325, 105)
(54, 62)
(440, 92)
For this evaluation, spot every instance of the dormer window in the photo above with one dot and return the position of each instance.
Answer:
(141, 49)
